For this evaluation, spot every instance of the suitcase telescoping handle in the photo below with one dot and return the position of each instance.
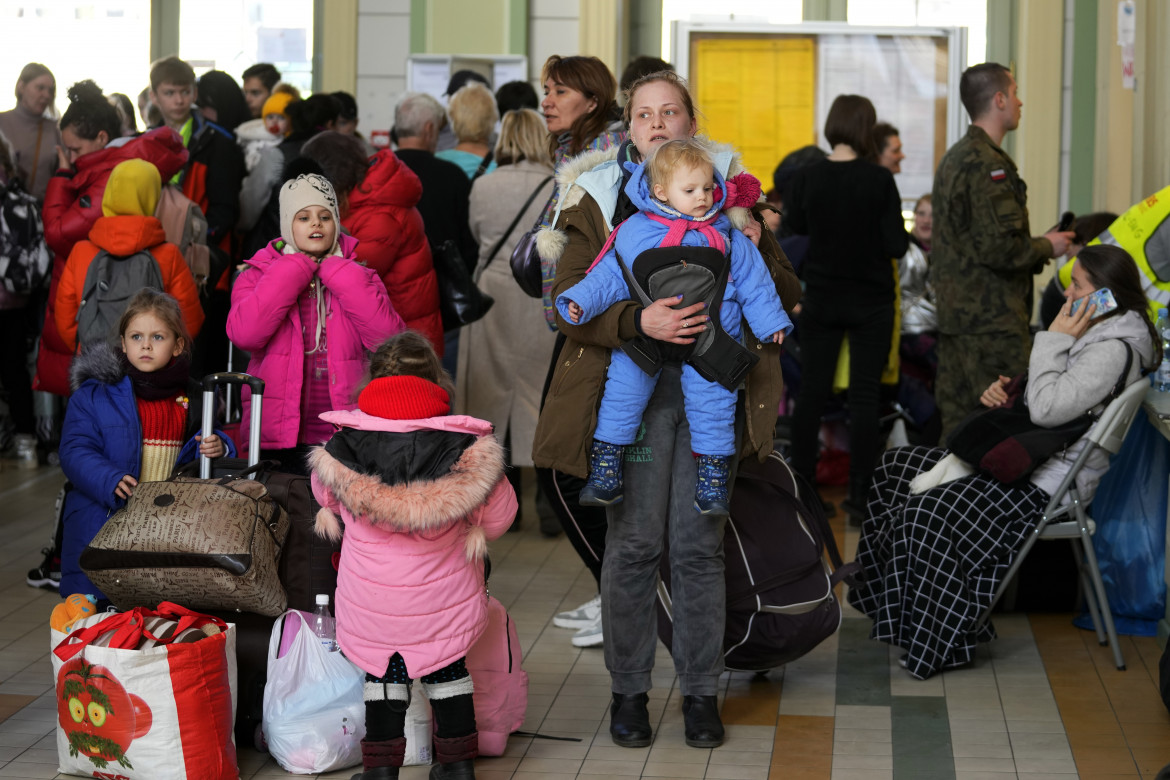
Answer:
(212, 381)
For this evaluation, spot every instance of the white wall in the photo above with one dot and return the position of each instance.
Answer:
(383, 41)
(553, 28)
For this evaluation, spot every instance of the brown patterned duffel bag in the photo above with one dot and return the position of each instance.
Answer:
(205, 544)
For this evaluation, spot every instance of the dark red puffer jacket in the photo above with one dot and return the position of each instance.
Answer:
(382, 216)
(72, 206)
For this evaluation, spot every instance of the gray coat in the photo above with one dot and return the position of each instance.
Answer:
(504, 357)
(1066, 377)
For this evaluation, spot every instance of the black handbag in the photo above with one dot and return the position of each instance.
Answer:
(526, 265)
(515, 221)
(461, 302)
(1004, 442)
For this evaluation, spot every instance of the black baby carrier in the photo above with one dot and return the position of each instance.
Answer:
(697, 273)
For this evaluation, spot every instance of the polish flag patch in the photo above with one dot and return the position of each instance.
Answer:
(998, 174)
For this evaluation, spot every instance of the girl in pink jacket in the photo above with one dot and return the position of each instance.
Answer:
(420, 492)
(308, 311)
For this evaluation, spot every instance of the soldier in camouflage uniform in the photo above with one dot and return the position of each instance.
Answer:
(983, 255)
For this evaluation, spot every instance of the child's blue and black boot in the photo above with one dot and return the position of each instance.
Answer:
(605, 483)
(714, 471)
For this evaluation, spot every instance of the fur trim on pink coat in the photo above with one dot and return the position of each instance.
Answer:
(413, 506)
(411, 575)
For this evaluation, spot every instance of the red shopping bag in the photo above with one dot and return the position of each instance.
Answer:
(137, 702)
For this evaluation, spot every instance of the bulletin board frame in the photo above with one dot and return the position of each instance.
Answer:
(790, 55)
(430, 73)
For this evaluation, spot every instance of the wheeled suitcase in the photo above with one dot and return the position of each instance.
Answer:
(308, 563)
(207, 543)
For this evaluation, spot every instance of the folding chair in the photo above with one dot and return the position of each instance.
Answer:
(1065, 517)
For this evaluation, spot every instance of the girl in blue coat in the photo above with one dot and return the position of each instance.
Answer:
(131, 412)
(681, 199)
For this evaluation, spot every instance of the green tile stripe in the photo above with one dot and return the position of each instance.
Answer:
(418, 27)
(863, 676)
(921, 733)
(1084, 106)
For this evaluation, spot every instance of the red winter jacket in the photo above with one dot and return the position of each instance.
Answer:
(72, 206)
(383, 217)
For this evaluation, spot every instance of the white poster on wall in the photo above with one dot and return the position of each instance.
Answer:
(1126, 37)
(899, 76)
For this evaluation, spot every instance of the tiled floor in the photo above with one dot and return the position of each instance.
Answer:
(1044, 701)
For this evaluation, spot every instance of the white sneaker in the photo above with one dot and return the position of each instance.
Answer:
(581, 617)
(589, 636)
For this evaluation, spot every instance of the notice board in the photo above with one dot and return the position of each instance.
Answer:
(767, 89)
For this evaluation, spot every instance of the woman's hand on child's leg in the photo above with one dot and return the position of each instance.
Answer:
(212, 446)
(125, 487)
(575, 312)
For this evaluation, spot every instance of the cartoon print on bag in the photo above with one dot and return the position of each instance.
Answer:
(98, 716)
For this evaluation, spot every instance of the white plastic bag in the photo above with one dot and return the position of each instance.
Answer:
(314, 717)
(418, 728)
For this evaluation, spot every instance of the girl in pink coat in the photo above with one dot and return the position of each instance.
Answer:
(420, 493)
(307, 311)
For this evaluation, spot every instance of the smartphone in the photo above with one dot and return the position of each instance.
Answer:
(1066, 221)
(1102, 299)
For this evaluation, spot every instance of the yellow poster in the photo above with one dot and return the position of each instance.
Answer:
(757, 95)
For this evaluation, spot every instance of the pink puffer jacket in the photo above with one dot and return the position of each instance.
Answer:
(265, 320)
(411, 574)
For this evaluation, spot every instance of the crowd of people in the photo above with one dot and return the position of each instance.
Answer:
(315, 254)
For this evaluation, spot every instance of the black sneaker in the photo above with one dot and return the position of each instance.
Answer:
(48, 574)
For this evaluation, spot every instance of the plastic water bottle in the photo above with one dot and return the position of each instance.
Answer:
(1162, 376)
(323, 624)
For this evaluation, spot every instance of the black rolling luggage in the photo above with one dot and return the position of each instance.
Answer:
(780, 599)
(308, 563)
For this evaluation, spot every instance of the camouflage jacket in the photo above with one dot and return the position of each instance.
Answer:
(983, 254)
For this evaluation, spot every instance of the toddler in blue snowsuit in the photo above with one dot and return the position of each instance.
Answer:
(680, 197)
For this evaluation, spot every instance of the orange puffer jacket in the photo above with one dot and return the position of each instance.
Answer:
(122, 237)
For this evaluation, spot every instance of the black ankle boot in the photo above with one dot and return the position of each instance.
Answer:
(629, 722)
(458, 770)
(378, 773)
(381, 759)
(701, 722)
(455, 755)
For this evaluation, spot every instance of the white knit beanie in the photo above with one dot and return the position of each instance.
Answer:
(306, 190)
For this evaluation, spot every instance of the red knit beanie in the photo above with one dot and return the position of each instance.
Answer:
(404, 398)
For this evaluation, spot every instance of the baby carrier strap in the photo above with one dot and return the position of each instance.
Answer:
(698, 273)
(677, 228)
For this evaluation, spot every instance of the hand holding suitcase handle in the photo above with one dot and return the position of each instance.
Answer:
(212, 381)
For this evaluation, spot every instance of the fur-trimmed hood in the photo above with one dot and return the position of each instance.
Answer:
(100, 361)
(599, 175)
(417, 505)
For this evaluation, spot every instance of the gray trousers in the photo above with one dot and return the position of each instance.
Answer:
(660, 486)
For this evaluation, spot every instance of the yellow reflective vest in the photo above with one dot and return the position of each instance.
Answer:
(1144, 232)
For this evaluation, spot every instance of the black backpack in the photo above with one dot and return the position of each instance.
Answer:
(24, 257)
(780, 600)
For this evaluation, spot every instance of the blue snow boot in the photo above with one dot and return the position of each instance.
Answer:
(605, 475)
(711, 487)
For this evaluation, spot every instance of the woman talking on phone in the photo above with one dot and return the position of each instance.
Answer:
(934, 559)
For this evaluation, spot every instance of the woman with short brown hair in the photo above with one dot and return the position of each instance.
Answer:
(850, 209)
